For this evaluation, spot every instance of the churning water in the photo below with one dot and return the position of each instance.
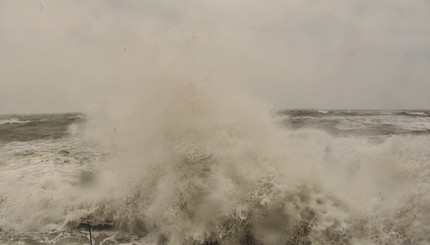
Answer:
(193, 168)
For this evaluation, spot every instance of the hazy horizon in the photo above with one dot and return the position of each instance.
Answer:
(275, 110)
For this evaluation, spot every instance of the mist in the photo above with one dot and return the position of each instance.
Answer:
(60, 56)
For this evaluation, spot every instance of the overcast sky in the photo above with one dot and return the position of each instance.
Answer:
(59, 56)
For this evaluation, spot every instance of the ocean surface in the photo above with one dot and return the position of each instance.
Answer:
(315, 177)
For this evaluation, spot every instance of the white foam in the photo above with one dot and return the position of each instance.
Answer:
(416, 113)
(12, 121)
(190, 165)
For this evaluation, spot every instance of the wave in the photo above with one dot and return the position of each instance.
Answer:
(12, 121)
(414, 113)
(323, 112)
(187, 165)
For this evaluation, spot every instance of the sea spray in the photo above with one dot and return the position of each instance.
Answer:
(181, 163)
(202, 167)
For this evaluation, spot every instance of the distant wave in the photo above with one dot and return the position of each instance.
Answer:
(12, 121)
(414, 113)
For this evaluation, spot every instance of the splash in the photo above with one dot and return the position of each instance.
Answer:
(188, 164)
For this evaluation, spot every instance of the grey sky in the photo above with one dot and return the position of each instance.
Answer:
(60, 56)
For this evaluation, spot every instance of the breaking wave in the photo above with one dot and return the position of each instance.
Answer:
(190, 165)
(12, 121)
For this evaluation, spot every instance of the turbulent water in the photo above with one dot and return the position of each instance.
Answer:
(191, 171)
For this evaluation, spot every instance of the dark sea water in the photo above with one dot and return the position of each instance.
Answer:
(360, 123)
(317, 177)
(36, 127)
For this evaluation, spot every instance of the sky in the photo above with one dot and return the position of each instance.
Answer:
(62, 56)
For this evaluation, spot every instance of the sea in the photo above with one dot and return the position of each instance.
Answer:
(299, 177)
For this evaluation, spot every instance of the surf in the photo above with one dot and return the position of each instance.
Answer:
(181, 163)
